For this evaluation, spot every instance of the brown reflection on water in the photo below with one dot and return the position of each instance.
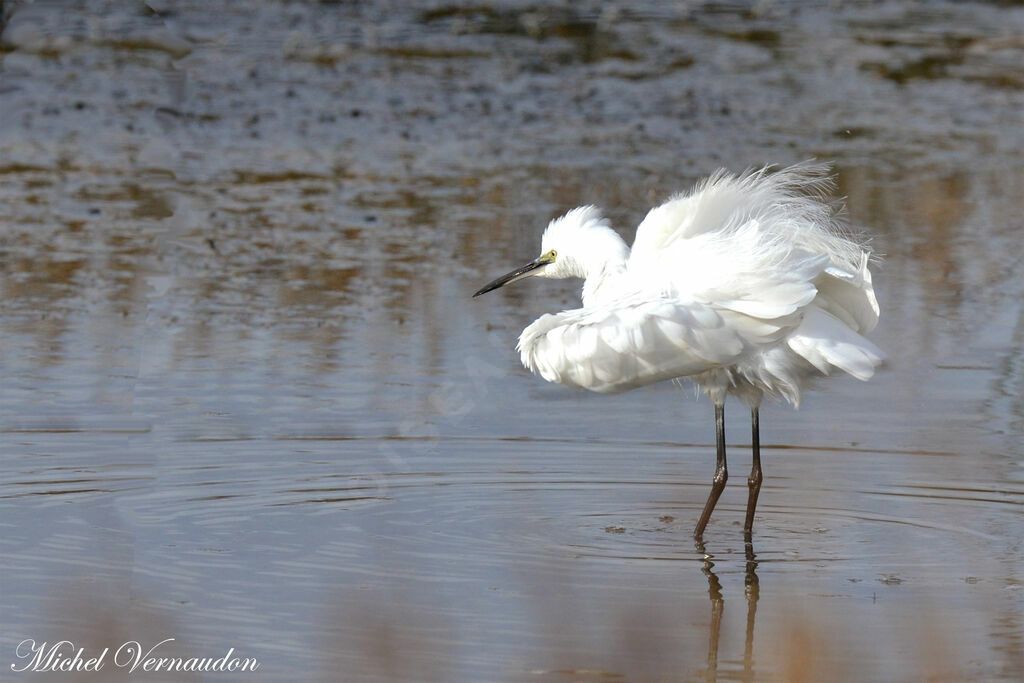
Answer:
(949, 247)
(391, 635)
(939, 208)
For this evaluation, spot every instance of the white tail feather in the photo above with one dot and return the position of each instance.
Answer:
(825, 342)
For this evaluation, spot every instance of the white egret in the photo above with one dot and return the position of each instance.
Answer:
(746, 286)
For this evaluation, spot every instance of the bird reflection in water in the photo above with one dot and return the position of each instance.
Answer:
(751, 589)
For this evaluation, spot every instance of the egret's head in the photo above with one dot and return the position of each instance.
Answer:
(569, 244)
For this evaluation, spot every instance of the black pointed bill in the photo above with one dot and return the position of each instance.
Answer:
(517, 274)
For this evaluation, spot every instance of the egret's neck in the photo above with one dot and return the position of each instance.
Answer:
(600, 271)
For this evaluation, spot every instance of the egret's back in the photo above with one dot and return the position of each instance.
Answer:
(732, 235)
(788, 205)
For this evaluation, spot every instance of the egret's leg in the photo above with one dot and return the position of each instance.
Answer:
(754, 480)
(721, 473)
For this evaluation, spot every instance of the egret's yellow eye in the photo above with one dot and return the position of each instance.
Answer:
(552, 254)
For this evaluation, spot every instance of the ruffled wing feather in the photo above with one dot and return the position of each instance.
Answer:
(641, 341)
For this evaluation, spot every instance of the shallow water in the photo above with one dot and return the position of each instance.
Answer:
(246, 400)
